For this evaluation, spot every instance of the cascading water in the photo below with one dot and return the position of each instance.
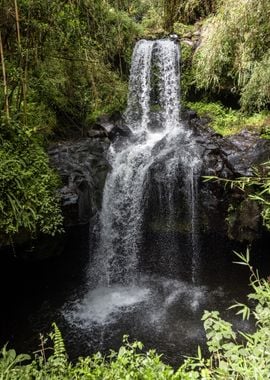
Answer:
(157, 133)
(159, 145)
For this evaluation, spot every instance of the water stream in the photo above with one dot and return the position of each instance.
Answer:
(156, 136)
(117, 283)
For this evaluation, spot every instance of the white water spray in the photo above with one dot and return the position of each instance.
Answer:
(153, 115)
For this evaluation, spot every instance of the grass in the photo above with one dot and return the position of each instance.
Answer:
(227, 121)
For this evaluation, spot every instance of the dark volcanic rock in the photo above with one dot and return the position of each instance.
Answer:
(113, 127)
(232, 156)
(119, 130)
(243, 151)
(228, 158)
(83, 167)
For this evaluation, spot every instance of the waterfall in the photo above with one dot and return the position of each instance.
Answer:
(143, 278)
(153, 179)
(153, 115)
(193, 202)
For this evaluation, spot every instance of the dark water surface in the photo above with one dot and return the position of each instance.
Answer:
(162, 311)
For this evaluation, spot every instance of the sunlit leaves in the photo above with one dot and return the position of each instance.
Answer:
(234, 52)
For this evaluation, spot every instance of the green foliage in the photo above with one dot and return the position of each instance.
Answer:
(128, 363)
(187, 77)
(152, 22)
(248, 358)
(58, 361)
(186, 11)
(234, 52)
(183, 30)
(28, 200)
(10, 363)
(256, 93)
(227, 121)
(190, 11)
(72, 58)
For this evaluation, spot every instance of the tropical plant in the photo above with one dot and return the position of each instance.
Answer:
(63, 64)
(28, 197)
(239, 355)
(234, 52)
(186, 11)
(227, 121)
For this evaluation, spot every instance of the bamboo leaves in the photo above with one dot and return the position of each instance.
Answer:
(234, 52)
(256, 187)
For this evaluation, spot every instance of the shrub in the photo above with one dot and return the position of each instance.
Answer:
(227, 121)
(234, 52)
(28, 197)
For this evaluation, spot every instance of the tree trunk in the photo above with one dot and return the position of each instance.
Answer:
(6, 105)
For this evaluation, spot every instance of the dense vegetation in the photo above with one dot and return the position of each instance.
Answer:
(234, 52)
(27, 184)
(64, 63)
(227, 121)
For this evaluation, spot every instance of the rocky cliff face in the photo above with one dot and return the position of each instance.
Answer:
(83, 167)
(225, 210)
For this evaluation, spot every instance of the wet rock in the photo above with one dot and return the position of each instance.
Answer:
(112, 127)
(189, 114)
(156, 121)
(231, 156)
(96, 132)
(119, 130)
(228, 158)
(243, 220)
(105, 123)
(243, 151)
(83, 167)
(174, 37)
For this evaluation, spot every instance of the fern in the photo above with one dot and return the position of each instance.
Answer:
(58, 362)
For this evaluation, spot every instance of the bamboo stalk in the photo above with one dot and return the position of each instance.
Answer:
(4, 77)
(22, 64)
(24, 89)
(26, 66)
(17, 24)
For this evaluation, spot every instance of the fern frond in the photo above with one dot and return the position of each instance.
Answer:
(58, 361)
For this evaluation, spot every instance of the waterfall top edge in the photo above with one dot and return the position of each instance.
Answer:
(167, 39)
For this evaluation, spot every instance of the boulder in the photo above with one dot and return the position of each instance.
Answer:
(120, 130)
(111, 126)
